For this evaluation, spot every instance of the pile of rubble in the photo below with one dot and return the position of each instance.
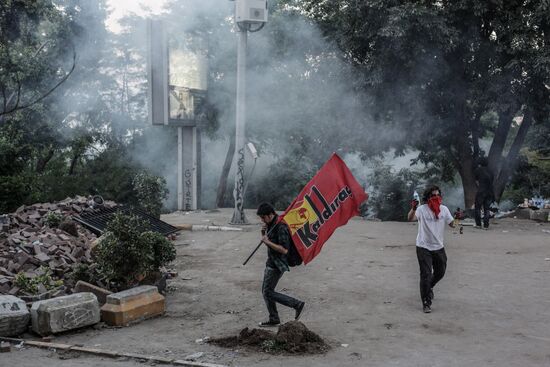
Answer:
(28, 245)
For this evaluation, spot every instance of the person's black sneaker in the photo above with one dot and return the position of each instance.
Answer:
(426, 309)
(269, 323)
(299, 310)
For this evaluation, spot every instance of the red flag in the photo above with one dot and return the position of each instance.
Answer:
(327, 202)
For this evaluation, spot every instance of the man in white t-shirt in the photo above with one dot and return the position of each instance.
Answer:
(432, 218)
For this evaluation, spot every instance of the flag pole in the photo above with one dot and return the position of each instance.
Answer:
(253, 252)
(259, 244)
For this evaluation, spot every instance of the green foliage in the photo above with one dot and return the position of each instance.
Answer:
(127, 251)
(532, 178)
(86, 273)
(448, 73)
(392, 192)
(31, 285)
(150, 191)
(53, 219)
(284, 182)
(164, 251)
(76, 141)
(14, 191)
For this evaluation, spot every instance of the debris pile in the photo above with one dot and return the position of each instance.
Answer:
(41, 238)
(292, 338)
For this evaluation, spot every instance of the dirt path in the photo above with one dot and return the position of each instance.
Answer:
(491, 309)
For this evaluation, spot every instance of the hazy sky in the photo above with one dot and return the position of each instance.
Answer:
(120, 8)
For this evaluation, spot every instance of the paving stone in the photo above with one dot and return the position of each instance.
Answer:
(64, 313)
(14, 316)
(132, 305)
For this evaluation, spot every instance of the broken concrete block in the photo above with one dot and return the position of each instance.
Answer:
(132, 305)
(14, 316)
(523, 213)
(5, 347)
(64, 313)
(99, 292)
(540, 215)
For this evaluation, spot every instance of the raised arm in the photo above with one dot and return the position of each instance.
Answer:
(411, 216)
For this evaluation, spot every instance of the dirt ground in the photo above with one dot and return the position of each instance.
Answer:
(362, 298)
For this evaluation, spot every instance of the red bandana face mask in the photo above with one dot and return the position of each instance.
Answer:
(433, 203)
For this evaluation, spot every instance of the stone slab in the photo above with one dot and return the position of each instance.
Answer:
(132, 305)
(540, 215)
(14, 316)
(99, 292)
(64, 313)
(5, 347)
(523, 213)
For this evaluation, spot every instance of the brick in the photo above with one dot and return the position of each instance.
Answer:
(22, 258)
(64, 313)
(99, 292)
(14, 316)
(132, 305)
(43, 257)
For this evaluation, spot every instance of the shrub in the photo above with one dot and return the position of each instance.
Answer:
(53, 219)
(150, 191)
(127, 251)
(31, 285)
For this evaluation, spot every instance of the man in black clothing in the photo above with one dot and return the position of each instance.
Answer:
(484, 195)
(276, 236)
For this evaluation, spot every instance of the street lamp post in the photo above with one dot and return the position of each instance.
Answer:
(240, 121)
(250, 16)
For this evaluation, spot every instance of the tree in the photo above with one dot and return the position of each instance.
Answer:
(35, 37)
(440, 69)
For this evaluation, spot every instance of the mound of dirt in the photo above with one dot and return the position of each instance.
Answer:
(292, 337)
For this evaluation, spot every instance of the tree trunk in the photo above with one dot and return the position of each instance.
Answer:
(43, 161)
(466, 170)
(222, 186)
(509, 163)
(74, 161)
(499, 140)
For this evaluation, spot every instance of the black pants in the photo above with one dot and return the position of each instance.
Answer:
(271, 278)
(432, 268)
(484, 200)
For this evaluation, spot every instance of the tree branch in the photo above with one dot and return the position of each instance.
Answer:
(43, 96)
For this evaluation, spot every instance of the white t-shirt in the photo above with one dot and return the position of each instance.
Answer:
(430, 229)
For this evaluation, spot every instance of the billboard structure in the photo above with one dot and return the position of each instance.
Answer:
(177, 68)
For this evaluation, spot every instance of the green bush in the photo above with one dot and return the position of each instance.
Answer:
(127, 251)
(150, 191)
(53, 219)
